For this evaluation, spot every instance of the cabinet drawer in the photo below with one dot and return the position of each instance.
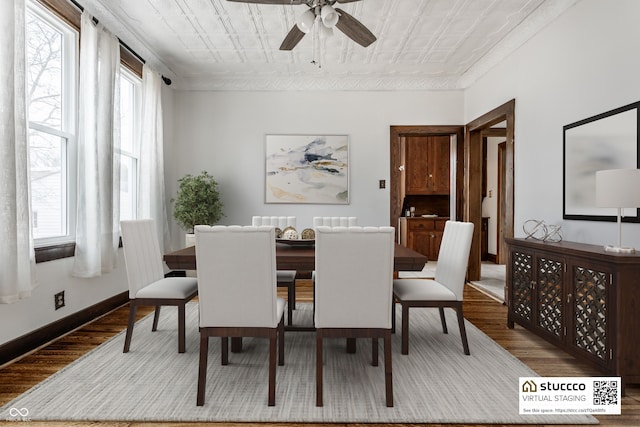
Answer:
(421, 224)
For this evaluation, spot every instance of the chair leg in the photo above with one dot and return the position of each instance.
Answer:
(291, 302)
(319, 368)
(313, 289)
(443, 320)
(405, 329)
(463, 331)
(202, 368)
(156, 317)
(181, 328)
(224, 350)
(393, 314)
(388, 375)
(374, 351)
(281, 342)
(272, 367)
(132, 320)
(293, 294)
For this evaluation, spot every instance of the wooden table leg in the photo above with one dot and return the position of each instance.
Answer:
(351, 345)
(236, 344)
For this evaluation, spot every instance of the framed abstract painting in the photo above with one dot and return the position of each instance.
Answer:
(311, 169)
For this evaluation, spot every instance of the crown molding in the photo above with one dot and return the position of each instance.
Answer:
(316, 83)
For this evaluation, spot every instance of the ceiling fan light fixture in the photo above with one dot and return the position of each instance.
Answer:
(305, 21)
(329, 16)
(325, 32)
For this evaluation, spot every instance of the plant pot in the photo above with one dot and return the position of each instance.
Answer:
(189, 239)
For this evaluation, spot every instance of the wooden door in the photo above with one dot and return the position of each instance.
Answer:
(439, 164)
(417, 166)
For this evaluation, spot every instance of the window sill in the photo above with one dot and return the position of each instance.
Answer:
(59, 251)
(54, 252)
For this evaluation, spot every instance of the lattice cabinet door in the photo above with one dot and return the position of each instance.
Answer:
(550, 312)
(589, 298)
(521, 285)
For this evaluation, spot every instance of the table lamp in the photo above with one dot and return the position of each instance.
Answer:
(618, 188)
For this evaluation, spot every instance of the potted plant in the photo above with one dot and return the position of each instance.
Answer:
(198, 202)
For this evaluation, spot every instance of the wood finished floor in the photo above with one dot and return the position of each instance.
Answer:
(482, 311)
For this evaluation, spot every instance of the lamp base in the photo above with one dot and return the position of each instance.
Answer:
(619, 250)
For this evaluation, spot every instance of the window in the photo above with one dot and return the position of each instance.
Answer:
(51, 90)
(53, 32)
(130, 88)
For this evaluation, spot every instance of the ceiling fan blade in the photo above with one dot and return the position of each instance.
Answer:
(347, 1)
(292, 39)
(354, 29)
(294, 2)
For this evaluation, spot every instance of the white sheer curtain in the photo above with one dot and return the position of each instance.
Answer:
(151, 202)
(16, 246)
(98, 193)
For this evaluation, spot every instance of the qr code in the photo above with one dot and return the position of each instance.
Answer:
(605, 392)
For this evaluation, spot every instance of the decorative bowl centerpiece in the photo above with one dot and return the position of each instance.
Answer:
(291, 237)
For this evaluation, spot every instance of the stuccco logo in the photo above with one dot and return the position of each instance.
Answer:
(531, 387)
(549, 386)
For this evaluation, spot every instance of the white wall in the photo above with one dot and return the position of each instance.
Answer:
(224, 133)
(583, 64)
(29, 314)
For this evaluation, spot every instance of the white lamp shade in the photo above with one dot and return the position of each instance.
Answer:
(618, 188)
(329, 16)
(305, 21)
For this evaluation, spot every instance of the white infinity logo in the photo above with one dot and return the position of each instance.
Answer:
(14, 412)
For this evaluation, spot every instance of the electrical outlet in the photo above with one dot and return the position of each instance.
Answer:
(383, 183)
(59, 300)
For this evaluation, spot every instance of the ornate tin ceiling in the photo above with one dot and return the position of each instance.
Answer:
(422, 44)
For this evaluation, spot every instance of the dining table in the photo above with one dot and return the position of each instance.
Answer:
(299, 256)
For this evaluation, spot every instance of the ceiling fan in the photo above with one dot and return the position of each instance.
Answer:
(322, 13)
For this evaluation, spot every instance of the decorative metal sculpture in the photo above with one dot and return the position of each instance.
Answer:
(537, 229)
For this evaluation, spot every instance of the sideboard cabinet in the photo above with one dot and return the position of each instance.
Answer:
(581, 298)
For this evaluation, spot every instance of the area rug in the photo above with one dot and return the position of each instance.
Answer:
(435, 383)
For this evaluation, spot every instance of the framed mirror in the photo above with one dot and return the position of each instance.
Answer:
(606, 141)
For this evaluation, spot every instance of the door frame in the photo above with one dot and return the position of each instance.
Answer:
(396, 133)
(472, 188)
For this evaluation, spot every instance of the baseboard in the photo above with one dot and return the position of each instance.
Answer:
(492, 258)
(33, 340)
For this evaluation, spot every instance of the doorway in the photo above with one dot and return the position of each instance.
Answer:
(472, 188)
(397, 136)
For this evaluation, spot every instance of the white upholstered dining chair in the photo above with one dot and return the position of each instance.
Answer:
(335, 221)
(354, 275)
(446, 289)
(285, 278)
(147, 283)
(237, 293)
